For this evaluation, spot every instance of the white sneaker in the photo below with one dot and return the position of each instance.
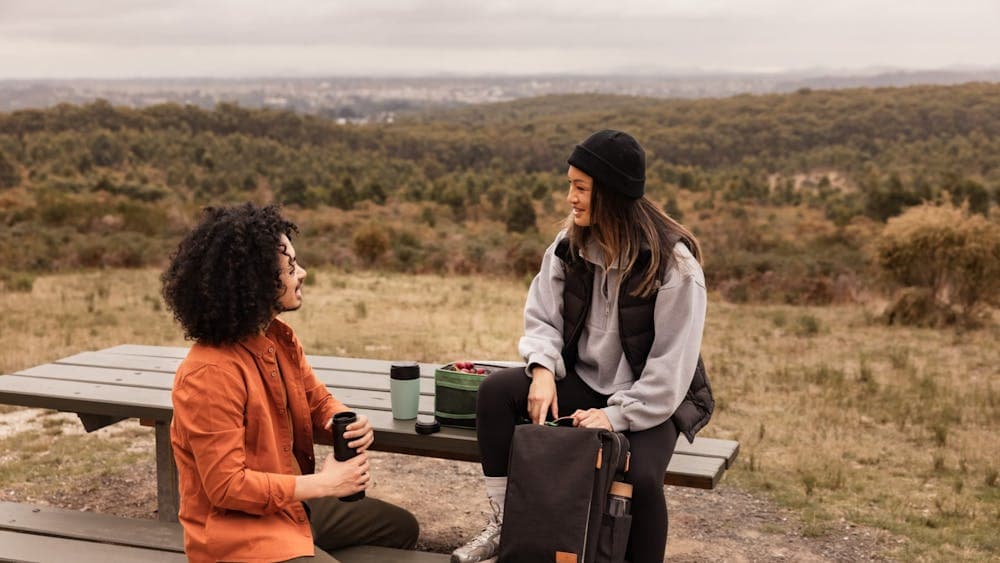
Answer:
(485, 547)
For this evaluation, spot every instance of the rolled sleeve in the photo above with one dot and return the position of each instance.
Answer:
(209, 413)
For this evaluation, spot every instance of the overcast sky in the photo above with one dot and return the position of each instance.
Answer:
(232, 38)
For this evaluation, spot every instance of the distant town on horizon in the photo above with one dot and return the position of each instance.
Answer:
(379, 98)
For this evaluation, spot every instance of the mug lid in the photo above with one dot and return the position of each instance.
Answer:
(426, 425)
(404, 370)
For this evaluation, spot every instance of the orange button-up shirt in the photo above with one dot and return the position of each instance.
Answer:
(243, 415)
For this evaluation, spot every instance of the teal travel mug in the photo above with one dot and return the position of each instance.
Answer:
(404, 386)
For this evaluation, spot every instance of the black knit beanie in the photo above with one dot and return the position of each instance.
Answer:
(614, 160)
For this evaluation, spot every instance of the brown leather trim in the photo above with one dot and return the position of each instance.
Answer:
(621, 489)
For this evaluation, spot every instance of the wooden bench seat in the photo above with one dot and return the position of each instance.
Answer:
(43, 533)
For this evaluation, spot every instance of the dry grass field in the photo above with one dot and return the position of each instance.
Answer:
(843, 420)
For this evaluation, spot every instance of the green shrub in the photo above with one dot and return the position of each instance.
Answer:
(17, 282)
(408, 250)
(520, 213)
(370, 242)
(807, 325)
(948, 257)
(9, 175)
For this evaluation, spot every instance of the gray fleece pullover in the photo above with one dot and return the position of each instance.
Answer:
(679, 314)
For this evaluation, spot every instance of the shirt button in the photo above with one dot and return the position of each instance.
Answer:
(285, 448)
(281, 411)
(274, 374)
(270, 349)
(302, 519)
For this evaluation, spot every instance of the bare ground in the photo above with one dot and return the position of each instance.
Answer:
(726, 524)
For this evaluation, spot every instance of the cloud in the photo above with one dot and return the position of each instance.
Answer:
(499, 35)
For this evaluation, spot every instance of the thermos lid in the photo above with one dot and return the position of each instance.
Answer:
(620, 489)
(344, 417)
(404, 370)
(426, 425)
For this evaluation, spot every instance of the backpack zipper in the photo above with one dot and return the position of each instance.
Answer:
(590, 501)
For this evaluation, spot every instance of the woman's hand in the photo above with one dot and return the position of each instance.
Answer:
(591, 418)
(362, 430)
(542, 395)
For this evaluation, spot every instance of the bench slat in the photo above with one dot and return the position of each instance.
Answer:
(728, 450)
(91, 526)
(32, 548)
(694, 471)
(57, 530)
(375, 554)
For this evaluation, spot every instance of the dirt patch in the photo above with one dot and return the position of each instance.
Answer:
(726, 524)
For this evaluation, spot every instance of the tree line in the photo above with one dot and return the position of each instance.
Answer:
(785, 189)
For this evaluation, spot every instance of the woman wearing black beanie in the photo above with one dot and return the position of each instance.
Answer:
(638, 372)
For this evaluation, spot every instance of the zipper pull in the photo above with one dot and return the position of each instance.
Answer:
(600, 457)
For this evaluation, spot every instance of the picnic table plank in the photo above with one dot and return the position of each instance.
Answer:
(87, 398)
(31, 548)
(366, 365)
(363, 398)
(148, 350)
(88, 361)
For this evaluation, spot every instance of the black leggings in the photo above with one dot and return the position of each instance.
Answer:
(503, 403)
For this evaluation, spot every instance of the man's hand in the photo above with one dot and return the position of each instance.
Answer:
(362, 430)
(335, 479)
(591, 418)
(542, 395)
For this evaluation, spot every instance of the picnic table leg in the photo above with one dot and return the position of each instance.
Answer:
(167, 495)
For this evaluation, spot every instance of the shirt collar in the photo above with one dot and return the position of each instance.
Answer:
(264, 344)
(595, 255)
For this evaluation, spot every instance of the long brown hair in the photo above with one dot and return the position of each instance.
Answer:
(622, 227)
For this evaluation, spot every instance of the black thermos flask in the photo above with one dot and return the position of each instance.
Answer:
(340, 450)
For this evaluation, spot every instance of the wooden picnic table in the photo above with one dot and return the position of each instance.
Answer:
(134, 381)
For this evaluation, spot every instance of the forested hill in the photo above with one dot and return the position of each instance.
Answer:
(100, 185)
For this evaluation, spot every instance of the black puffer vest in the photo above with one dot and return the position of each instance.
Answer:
(636, 328)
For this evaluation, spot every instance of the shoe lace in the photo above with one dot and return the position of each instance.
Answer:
(492, 527)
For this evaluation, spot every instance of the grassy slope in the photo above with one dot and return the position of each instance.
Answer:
(845, 420)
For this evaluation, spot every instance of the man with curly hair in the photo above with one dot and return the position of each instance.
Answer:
(246, 403)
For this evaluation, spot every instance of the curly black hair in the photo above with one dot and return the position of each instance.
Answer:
(224, 280)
